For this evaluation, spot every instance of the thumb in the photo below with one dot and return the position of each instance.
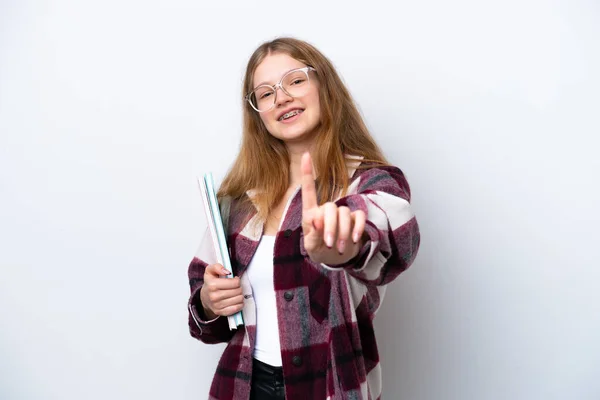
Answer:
(217, 270)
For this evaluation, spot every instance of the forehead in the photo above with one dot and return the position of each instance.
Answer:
(272, 68)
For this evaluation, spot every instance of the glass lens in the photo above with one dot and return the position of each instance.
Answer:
(263, 98)
(295, 83)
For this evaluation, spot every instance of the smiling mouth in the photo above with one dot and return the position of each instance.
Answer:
(290, 114)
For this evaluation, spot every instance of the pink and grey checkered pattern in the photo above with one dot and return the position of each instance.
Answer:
(325, 313)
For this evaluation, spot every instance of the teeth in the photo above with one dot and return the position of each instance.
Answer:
(289, 114)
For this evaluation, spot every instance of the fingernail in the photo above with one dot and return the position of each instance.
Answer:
(329, 240)
(355, 237)
(341, 246)
(225, 271)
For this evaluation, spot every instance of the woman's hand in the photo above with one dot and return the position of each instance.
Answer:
(220, 296)
(332, 234)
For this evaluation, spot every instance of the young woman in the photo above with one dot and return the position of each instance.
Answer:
(318, 223)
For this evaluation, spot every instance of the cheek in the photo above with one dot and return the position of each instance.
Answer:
(314, 99)
(316, 106)
(266, 119)
(269, 122)
(263, 119)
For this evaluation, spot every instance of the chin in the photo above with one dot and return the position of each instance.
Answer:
(294, 134)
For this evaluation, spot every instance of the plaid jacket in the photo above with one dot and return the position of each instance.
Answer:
(325, 313)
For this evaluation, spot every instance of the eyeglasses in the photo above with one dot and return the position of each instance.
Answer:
(294, 83)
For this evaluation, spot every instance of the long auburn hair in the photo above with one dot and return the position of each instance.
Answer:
(263, 162)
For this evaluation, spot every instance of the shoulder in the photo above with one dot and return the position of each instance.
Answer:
(371, 177)
(236, 211)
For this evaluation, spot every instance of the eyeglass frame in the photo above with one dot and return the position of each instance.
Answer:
(306, 70)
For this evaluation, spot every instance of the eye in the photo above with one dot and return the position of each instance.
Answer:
(298, 81)
(264, 95)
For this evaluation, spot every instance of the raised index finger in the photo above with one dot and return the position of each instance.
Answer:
(309, 192)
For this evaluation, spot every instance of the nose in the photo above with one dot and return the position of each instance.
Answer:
(281, 97)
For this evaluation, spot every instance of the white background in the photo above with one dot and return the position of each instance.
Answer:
(109, 109)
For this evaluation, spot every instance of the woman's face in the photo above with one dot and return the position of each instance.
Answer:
(292, 119)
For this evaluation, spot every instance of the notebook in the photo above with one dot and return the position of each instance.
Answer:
(217, 234)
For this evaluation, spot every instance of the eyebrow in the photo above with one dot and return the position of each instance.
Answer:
(267, 83)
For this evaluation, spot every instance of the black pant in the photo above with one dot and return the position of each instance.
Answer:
(267, 382)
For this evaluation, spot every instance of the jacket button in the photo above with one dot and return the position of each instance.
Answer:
(297, 361)
(288, 296)
(287, 233)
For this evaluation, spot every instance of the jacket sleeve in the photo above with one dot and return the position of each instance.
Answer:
(208, 331)
(393, 233)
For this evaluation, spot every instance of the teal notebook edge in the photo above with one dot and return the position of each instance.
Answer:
(221, 237)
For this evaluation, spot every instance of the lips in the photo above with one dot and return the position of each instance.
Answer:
(289, 113)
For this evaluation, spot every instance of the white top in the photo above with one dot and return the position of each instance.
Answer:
(260, 275)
